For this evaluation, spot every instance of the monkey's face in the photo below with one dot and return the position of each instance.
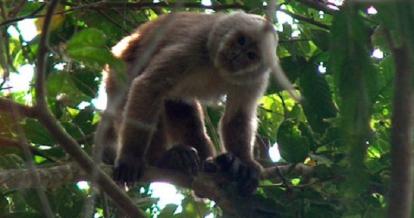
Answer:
(243, 47)
(242, 54)
(240, 57)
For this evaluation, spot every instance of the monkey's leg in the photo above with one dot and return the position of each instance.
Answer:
(107, 132)
(105, 141)
(144, 102)
(158, 146)
(185, 129)
(139, 122)
(185, 125)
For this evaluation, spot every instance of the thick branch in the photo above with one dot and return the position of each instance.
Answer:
(401, 136)
(71, 172)
(5, 142)
(206, 185)
(276, 171)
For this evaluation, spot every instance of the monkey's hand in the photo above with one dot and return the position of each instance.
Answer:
(244, 174)
(128, 169)
(183, 158)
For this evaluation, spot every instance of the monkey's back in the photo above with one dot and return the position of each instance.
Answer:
(171, 29)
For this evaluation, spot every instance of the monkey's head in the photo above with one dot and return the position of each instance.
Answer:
(242, 46)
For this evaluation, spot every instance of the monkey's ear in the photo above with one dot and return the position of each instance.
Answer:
(268, 27)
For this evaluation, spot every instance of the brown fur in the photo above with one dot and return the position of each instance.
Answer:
(200, 58)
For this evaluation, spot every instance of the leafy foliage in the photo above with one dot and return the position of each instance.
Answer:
(341, 129)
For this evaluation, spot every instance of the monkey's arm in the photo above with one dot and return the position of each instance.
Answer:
(238, 130)
(238, 124)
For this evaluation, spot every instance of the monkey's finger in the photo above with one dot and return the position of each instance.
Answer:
(193, 161)
(248, 187)
(133, 175)
(243, 173)
(209, 166)
(225, 161)
(249, 180)
(118, 174)
(127, 175)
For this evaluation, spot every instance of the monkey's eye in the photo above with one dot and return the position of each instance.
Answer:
(251, 55)
(241, 40)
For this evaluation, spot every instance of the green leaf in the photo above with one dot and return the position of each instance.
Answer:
(294, 147)
(11, 161)
(90, 37)
(36, 133)
(61, 86)
(94, 57)
(253, 4)
(168, 211)
(89, 47)
(86, 81)
(356, 80)
(321, 39)
(29, 7)
(318, 104)
(84, 120)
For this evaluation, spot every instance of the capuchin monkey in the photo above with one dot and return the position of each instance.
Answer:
(198, 58)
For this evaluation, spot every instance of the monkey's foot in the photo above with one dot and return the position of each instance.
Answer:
(183, 158)
(128, 170)
(246, 176)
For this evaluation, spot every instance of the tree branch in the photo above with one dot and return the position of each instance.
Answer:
(41, 58)
(64, 139)
(31, 15)
(5, 142)
(401, 136)
(306, 19)
(146, 5)
(7, 105)
(122, 5)
(208, 185)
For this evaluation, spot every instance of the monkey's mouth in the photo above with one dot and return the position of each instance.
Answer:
(235, 62)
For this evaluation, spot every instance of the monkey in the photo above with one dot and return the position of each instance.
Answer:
(199, 58)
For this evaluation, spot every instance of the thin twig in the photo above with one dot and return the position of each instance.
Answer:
(320, 5)
(306, 19)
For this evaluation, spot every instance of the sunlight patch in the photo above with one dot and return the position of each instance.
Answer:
(100, 101)
(377, 53)
(372, 10)
(83, 185)
(167, 194)
(27, 28)
(274, 153)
